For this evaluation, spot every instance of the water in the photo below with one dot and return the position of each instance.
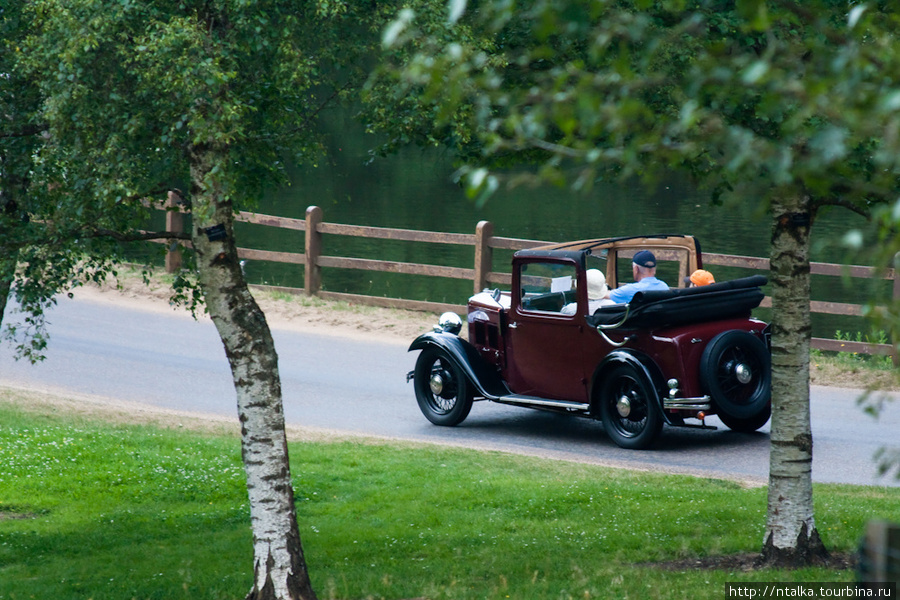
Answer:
(415, 190)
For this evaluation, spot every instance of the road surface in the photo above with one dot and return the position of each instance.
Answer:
(166, 359)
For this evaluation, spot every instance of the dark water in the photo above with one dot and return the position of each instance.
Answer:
(415, 190)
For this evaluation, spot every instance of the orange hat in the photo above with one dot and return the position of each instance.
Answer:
(701, 277)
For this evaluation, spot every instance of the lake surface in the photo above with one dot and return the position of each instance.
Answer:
(415, 190)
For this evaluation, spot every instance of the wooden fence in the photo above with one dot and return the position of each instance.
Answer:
(482, 274)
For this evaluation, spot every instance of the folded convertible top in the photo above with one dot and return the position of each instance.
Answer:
(680, 306)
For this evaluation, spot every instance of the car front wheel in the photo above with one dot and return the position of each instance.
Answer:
(442, 390)
(629, 414)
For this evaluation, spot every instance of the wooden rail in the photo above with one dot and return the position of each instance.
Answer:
(482, 274)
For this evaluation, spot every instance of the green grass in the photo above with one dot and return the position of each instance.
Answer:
(102, 511)
(855, 360)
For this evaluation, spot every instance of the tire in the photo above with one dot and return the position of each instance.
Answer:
(442, 390)
(630, 415)
(735, 370)
(747, 425)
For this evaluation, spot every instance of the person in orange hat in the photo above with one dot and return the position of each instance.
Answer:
(699, 278)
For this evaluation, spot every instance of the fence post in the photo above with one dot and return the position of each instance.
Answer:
(174, 224)
(879, 556)
(312, 276)
(484, 254)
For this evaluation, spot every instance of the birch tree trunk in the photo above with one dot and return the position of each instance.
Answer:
(8, 253)
(791, 536)
(7, 269)
(279, 571)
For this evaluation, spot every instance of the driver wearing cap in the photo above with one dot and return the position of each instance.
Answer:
(643, 268)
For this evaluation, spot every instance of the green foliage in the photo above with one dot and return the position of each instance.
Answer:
(114, 511)
(48, 222)
(106, 104)
(855, 360)
(875, 337)
(794, 105)
(144, 82)
(768, 96)
(417, 118)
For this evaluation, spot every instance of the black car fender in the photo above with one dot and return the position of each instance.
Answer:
(484, 377)
(639, 361)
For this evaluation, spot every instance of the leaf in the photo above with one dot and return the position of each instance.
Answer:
(853, 239)
(855, 15)
(457, 9)
(755, 12)
(393, 31)
(891, 101)
(755, 72)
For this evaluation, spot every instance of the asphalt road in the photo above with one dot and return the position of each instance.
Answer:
(167, 359)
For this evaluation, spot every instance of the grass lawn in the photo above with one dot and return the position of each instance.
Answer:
(102, 511)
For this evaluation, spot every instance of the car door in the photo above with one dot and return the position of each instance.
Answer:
(544, 351)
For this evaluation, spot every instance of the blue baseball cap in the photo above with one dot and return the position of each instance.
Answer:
(644, 258)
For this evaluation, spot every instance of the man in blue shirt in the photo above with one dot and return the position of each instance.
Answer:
(643, 267)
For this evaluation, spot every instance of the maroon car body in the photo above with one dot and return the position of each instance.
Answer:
(663, 358)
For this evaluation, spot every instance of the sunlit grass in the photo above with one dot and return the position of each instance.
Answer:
(92, 510)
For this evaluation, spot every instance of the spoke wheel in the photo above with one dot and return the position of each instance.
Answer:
(735, 370)
(442, 390)
(627, 407)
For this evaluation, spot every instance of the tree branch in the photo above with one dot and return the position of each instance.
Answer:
(141, 236)
(308, 119)
(849, 205)
(27, 131)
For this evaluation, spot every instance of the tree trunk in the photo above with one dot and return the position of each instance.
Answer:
(791, 537)
(7, 274)
(279, 571)
(8, 253)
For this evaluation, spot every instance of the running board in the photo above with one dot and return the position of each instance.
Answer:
(535, 401)
(698, 426)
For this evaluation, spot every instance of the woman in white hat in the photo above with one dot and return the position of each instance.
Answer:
(596, 290)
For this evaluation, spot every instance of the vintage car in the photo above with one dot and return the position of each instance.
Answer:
(666, 357)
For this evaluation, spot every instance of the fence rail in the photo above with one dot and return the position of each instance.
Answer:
(482, 273)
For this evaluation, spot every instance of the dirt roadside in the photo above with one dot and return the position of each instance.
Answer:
(282, 310)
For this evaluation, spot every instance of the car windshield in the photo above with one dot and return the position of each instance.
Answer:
(597, 261)
(671, 268)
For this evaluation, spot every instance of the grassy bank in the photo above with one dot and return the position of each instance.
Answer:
(91, 509)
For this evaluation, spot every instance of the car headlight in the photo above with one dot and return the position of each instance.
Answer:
(450, 323)
(673, 387)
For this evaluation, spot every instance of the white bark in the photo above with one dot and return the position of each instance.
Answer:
(790, 525)
(279, 567)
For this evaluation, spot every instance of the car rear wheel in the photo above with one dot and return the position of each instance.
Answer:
(746, 425)
(442, 390)
(630, 416)
(735, 370)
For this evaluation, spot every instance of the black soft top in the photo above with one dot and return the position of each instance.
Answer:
(575, 255)
(680, 306)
